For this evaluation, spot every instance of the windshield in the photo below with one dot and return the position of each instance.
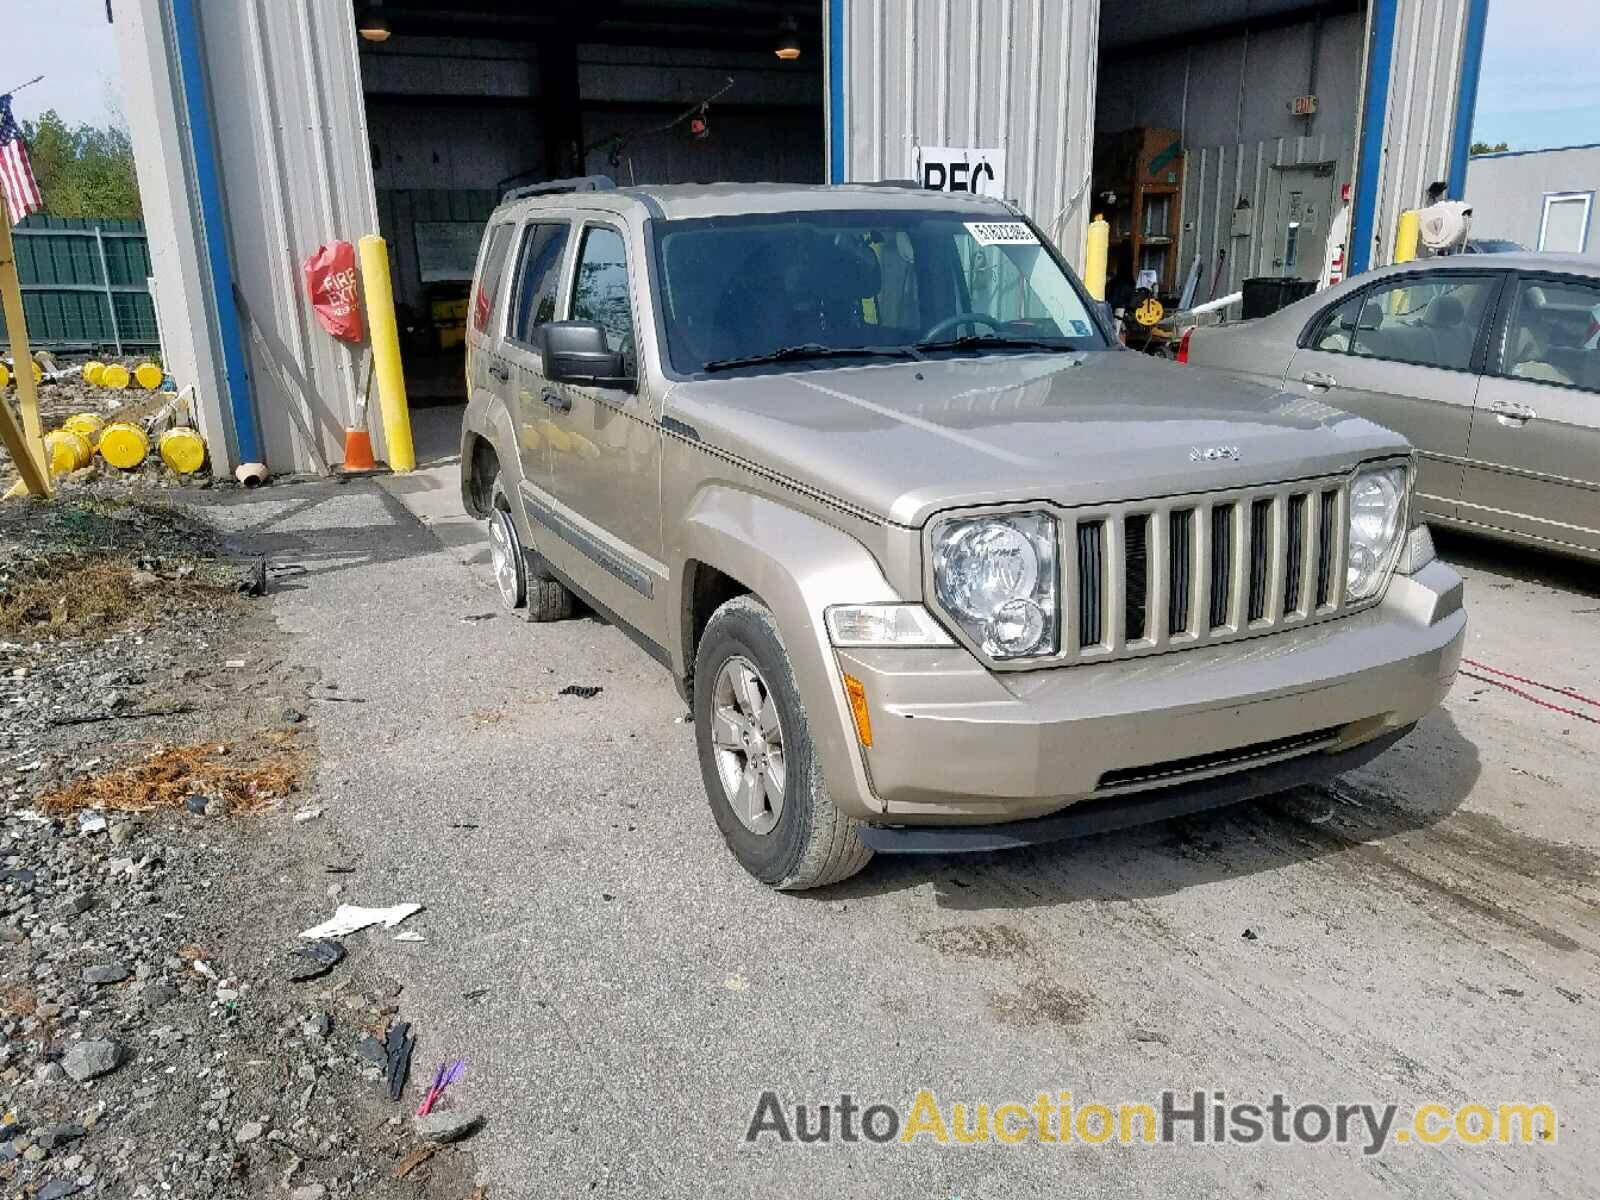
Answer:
(778, 291)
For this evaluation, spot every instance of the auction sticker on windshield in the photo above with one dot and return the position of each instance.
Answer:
(1001, 233)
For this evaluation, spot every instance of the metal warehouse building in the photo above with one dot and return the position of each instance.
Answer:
(1219, 136)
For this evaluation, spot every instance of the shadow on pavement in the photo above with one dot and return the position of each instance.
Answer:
(1520, 563)
(1418, 783)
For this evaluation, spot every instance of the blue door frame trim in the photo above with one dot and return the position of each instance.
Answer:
(1380, 61)
(186, 32)
(836, 73)
(1467, 95)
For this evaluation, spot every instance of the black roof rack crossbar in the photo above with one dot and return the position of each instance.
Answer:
(554, 187)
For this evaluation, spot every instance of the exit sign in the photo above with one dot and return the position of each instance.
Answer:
(1303, 106)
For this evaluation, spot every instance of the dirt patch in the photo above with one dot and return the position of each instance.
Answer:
(172, 775)
(1043, 1002)
(993, 943)
(96, 596)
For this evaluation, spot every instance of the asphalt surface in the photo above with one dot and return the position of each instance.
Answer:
(1424, 931)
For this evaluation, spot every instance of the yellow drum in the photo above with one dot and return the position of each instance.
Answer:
(66, 451)
(123, 444)
(149, 376)
(183, 450)
(5, 377)
(93, 370)
(115, 376)
(88, 425)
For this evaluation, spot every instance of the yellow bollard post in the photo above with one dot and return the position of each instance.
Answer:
(30, 444)
(385, 334)
(1096, 254)
(1406, 234)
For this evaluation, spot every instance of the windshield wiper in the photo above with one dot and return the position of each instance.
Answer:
(985, 341)
(809, 350)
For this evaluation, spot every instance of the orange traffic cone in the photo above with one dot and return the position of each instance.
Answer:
(357, 441)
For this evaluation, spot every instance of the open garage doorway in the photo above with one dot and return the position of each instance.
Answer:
(1225, 143)
(468, 98)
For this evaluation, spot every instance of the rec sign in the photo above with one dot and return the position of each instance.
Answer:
(961, 169)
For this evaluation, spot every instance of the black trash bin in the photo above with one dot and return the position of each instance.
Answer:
(1266, 295)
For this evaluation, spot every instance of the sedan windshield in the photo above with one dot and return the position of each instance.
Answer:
(783, 291)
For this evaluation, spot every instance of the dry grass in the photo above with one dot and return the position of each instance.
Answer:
(99, 594)
(171, 774)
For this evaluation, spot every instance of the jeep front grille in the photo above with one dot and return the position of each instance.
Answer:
(1153, 576)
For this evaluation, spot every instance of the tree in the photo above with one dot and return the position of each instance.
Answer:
(85, 171)
(1484, 148)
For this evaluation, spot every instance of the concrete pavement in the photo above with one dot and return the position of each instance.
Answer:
(1425, 931)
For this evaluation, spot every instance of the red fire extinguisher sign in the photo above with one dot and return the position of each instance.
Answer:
(331, 284)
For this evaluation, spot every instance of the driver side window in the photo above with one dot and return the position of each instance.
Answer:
(600, 291)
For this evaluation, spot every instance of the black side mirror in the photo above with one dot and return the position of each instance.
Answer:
(576, 352)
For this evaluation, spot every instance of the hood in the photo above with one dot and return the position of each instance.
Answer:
(905, 440)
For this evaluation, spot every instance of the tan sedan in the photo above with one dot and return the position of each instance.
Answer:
(1490, 367)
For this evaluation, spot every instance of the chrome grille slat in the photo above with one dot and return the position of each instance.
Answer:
(1149, 576)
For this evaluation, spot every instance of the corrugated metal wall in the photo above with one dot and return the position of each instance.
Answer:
(1420, 120)
(292, 146)
(1018, 75)
(1216, 177)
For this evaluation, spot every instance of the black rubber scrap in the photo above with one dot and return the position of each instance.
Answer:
(398, 1044)
(582, 691)
(315, 959)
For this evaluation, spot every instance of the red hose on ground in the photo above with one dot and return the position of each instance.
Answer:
(1516, 691)
(1560, 691)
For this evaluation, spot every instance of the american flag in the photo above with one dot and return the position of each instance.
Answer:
(16, 173)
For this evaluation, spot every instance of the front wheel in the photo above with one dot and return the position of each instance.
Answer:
(757, 758)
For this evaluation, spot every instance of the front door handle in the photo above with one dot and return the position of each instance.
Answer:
(499, 372)
(1508, 413)
(1318, 380)
(556, 400)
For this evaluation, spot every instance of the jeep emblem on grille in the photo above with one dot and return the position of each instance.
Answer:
(1214, 454)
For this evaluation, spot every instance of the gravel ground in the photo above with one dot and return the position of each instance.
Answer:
(151, 1041)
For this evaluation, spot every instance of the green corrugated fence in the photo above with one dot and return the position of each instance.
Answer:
(84, 284)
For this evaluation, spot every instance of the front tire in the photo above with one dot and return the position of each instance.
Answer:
(524, 582)
(757, 758)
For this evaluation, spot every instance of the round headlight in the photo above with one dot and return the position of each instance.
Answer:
(996, 576)
(987, 565)
(1377, 510)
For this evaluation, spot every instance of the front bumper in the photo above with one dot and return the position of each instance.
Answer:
(955, 744)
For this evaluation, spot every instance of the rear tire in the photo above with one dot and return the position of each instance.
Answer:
(538, 595)
(757, 758)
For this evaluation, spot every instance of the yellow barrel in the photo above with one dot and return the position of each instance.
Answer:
(5, 377)
(183, 450)
(87, 424)
(92, 370)
(149, 376)
(123, 444)
(66, 451)
(115, 376)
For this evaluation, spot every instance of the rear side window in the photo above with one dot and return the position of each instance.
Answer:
(486, 289)
(538, 274)
(1553, 335)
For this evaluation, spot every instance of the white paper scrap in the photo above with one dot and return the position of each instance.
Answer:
(351, 917)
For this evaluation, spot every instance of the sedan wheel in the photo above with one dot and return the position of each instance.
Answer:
(747, 738)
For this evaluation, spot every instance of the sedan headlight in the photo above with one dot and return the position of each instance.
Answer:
(1377, 529)
(996, 576)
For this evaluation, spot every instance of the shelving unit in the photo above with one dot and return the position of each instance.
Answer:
(1143, 169)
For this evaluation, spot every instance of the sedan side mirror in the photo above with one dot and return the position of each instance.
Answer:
(576, 352)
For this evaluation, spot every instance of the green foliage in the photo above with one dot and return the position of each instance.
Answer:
(1485, 148)
(85, 171)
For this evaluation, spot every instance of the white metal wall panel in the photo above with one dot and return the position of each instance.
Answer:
(1216, 177)
(1017, 75)
(1507, 191)
(293, 152)
(1420, 120)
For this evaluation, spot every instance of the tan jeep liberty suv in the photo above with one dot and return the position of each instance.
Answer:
(937, 565)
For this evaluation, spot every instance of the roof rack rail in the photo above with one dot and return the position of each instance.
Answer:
(555, 187)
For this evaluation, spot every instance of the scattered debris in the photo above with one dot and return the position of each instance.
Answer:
(447, 1125)
(581, 690)
(1249, 935)
(398, 1044)
(91, 1059)
(169, 776)
(308, 814)
(349, 918)
(91, 822)
(409, 935)
(474, 617)
(415, 1159)
(443, 1077)
(315, 959)
(1150, 1036)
